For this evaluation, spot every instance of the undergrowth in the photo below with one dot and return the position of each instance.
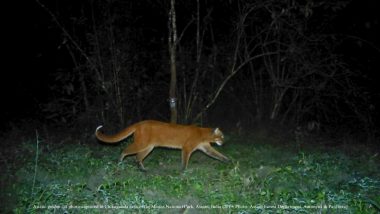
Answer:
(265, 176)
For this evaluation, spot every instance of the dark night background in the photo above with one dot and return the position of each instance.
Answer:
(42, 83)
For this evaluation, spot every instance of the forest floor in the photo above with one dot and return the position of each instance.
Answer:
(267, 174)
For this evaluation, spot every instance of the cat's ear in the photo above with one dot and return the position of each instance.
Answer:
(217, 131)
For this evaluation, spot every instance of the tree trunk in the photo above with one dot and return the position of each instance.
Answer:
(173, 71)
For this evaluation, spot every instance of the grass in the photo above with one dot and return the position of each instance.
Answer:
(267, 175)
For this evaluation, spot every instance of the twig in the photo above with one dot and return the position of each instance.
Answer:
(35, 162)
(69, 37)
(233, 72)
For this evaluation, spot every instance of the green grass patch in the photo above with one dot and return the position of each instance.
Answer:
(263, 177)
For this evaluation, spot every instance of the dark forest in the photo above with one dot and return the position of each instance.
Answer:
(292, 84)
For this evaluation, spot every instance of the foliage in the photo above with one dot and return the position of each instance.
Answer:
(274, 59)
(266, 175)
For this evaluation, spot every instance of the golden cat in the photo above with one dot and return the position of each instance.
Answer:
(149, 134)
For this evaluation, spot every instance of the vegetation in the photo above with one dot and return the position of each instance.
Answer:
(263, 66)
(267, 174)
(268, 61)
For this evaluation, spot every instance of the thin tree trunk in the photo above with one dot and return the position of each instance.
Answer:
(173, 70)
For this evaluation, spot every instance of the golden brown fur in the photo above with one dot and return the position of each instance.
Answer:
(150, 134)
